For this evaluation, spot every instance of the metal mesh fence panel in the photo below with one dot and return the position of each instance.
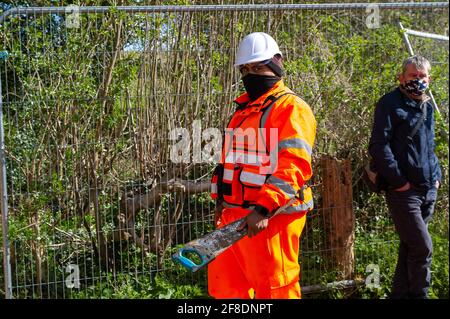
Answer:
(111, 117)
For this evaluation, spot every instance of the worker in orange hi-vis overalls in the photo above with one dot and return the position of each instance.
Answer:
(266, 161)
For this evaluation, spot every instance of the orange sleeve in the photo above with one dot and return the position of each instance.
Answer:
(296, 134)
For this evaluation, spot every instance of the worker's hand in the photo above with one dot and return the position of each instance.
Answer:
(218, 212)
(437, 184)
(255, 223)
(404, 188)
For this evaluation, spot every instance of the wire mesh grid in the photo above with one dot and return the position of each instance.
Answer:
(94, 105)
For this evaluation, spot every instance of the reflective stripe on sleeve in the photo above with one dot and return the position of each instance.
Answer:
(300, 208)
(294, 143)
(284, 186)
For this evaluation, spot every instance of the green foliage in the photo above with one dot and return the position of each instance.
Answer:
(439, 266)
(128, 286)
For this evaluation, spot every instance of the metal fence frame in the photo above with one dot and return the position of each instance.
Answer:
(433, 36)
(185, 8)
(249, 7)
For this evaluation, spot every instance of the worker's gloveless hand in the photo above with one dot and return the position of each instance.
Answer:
(255, 223)
(218, 212)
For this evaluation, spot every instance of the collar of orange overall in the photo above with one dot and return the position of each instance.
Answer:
(245, 106)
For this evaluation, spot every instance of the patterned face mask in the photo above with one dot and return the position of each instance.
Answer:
(415, 87)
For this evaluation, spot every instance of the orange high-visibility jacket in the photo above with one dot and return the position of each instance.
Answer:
(266, 154)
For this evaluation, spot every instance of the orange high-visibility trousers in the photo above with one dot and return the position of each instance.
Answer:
(264, 266)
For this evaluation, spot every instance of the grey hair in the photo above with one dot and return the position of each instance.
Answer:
(418, 61)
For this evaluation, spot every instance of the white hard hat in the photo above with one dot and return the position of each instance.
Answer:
(255, 47)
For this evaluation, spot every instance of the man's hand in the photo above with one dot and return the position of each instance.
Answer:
(255, 222)
(404, 188)
(218, 212)
(437, 184)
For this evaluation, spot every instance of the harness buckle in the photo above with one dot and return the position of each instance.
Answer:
(301, 194)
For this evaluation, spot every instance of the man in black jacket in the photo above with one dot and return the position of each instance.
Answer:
(402, 147)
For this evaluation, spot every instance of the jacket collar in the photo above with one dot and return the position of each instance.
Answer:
(412, 102)
(243, 101)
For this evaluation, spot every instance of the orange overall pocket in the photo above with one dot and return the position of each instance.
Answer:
(232, 188)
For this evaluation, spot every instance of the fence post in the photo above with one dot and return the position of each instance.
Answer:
(338, 212)
(4, 198)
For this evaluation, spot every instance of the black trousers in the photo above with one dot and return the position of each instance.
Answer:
(411, 211)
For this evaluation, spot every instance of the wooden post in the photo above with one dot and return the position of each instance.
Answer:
(338, 214)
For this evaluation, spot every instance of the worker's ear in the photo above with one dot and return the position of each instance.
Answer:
(400, 77)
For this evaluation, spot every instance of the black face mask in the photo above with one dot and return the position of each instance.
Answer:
(256, 85)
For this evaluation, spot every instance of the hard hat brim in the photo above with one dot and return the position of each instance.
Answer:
(258, 59)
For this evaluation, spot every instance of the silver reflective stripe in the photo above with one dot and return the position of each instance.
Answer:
(284, 186)
(269, 108)
(252, 178)
(226, 205)
(241, 157)
(265, 115)
(300, 208)
(228, 174)
(214, 188)
(295, 143)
